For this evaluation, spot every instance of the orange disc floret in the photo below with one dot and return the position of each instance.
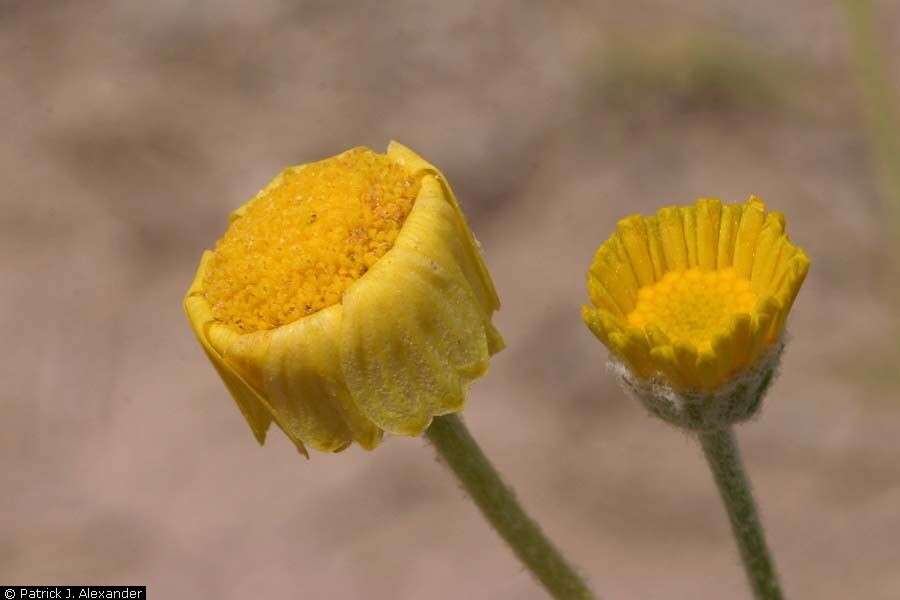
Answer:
(306, 238)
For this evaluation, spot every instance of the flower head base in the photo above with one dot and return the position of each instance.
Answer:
(692, 304)
(348, 298)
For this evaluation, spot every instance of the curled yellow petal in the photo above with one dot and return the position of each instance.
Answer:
(305, 385)
(469, 257)
(414, 333)
(200, 317)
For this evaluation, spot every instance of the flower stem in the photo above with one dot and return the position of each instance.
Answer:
(450, 437)
(720, 448)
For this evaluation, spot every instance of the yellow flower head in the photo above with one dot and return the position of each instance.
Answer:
(348, 298)
(696, 297)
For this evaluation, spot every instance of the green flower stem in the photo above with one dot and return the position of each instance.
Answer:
(450, 437)
(720, 448)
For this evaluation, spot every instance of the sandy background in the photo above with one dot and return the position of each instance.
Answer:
(130, 129)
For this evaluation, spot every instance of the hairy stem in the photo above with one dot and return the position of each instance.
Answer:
(450, 437)
(720, 448)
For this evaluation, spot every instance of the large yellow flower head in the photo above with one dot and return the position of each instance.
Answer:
(348, 298)
(692, 305)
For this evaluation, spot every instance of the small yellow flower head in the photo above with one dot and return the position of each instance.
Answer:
(348, 298)
(692, 305)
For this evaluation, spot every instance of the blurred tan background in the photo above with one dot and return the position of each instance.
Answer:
(130, 129)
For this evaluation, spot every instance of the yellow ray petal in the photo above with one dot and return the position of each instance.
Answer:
(611, 274)
(627, 270)
(200, 317)
(472, 263)
(797, 270)
(761, 325)
(437, 318)
(689, 218)
(306, 388)
(601, 297)
(602, 323)
(671, 229)
(654, 244)
(747, 234)
(767, 251)
(633, 234)
(417, 289)
(432, 230)
(728, 227)
(630, 349)
(709, 211)
(637, 346)
(495, 340)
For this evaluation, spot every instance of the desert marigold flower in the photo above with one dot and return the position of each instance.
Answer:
(348, 298)
(692, 305)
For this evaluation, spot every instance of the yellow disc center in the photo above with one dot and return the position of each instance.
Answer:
(301, 244)
(693, 306)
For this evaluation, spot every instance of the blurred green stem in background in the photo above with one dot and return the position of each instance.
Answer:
(880, 106)
(450, 437)
(720, 448)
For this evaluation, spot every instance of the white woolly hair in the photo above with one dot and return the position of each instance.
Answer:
(736, 400)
